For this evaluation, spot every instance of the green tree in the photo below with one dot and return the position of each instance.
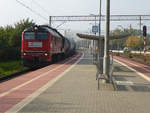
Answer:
(133, 42)
(120, 44)
(10, 39)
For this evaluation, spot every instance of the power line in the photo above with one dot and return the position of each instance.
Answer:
(60, 24)
(46, 11)
(32, 10)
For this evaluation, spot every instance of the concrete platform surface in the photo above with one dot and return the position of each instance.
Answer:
(76, 92)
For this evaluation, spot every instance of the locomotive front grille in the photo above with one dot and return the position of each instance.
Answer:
(35, 52)
(35, 59)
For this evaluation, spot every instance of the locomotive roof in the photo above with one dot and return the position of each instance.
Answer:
(53, 30)
(43, 28)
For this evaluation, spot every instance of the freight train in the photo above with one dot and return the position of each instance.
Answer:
(43, 44)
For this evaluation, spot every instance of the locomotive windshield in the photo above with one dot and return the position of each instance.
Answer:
(41, 36)
(29, 35)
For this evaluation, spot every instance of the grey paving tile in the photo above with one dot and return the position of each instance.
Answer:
(77, 92)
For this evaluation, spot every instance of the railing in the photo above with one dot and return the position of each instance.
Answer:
(100, 76)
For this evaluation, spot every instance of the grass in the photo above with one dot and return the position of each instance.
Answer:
(10, 67)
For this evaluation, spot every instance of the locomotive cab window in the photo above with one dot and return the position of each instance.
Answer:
(42, 36)
(29, 35)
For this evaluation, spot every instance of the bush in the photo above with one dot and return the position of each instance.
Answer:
(7, 68)
(127, 50)
(12, 53)
(10, 40)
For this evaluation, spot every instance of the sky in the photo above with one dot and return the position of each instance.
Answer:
(11, 11)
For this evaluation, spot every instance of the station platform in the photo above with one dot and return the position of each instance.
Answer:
(76, 92)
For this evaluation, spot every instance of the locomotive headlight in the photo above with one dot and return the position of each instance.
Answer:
(46, 54)
(35, 28)
(24, 54)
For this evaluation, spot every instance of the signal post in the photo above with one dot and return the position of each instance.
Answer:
(144, 38)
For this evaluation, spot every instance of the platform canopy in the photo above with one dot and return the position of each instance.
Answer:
(93, 37)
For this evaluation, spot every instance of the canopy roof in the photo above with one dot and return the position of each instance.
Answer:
(93, 37)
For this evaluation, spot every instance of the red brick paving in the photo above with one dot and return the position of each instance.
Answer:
(144, 69)
(11, 99)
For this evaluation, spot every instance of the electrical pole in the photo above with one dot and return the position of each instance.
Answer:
(100, 43)
(50, 21)
(94, 44)
(140, 26)
(140, 32)
(106, 46)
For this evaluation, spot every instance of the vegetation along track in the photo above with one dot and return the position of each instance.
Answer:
(19, 73)
(135, 57)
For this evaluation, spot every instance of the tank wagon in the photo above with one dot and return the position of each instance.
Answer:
(41, 44)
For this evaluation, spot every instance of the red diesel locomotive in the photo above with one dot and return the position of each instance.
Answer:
(42, 44)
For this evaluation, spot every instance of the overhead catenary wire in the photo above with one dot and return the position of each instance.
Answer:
(33, 11)
(46, 11)
(60, 24)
